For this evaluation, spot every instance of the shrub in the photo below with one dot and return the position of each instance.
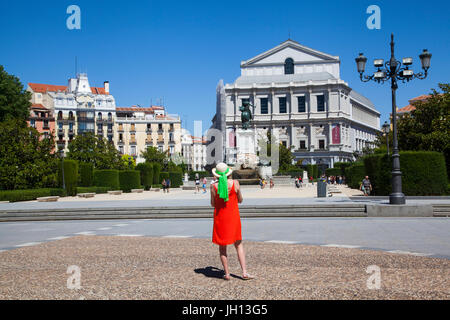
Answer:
(201, 174)
(146, 172)
(86, 174)
(129, 179)
(176, 179)
(29, 194)
(354, 175)
(342, 166)
(163, 175)
(107, 178)
(291, 173)
(97, 190)
(313, 170)
(156, 186)
(70, 176)
(423, 173)
(156, 171)
(333, 172)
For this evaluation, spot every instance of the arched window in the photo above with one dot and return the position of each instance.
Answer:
(70, 115)
(99, 116)
(109, 116)
(60, 115)
(289, 66)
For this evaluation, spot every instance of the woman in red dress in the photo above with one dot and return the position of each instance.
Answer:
(225, 196)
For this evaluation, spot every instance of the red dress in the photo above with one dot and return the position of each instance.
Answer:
(227, 222)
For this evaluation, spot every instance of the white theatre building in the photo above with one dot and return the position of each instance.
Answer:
(299, 96)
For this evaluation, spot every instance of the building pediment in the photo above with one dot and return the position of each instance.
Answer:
(289, 49)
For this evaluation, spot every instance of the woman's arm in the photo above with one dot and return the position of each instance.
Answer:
(237, 188)
(213, 195)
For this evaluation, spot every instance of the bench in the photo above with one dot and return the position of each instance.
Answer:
(48, 199)
(115, 192)
(86, 195)
(137, 190)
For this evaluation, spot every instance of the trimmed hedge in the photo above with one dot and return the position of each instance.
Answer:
(156, 172)
(156, 186)
(333, 172)
(129, 179)
(201, 174)
(86, 174)
(107, 178)
(97, 190)
(29, 194)
(354, 175)
(291, 173)
(163, 175)
(70, 176)
(424, 173)
(313, 170)
(146, 172)
(342, 166)
(176, 179)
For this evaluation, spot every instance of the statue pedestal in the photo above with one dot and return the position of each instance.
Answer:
(246, 148)
(305, 177)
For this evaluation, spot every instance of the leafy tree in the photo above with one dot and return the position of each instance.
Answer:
(152, 154)
(27, 158)
(127, 162)
(428, 126)
(14, 100)
(88, 147)
(284, 154)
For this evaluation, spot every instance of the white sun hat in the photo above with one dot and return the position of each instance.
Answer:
(221, 167)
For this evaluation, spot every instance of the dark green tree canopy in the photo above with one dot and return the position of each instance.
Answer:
(27, 158)
(152, 154)
(88, 147)
(14, 100)
(428, 127)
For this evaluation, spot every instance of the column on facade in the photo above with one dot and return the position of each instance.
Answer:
(311, 136)
(330, 133)
(292, 136)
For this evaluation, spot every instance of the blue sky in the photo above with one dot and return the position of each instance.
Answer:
(179, 50)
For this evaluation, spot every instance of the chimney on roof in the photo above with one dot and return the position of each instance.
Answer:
(106, 86)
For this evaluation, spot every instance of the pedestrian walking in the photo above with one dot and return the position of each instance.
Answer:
(197, 184)
(271, 183)
(168, 185)
(312, 180)
(204, 184)
(225, 196)
(164, 185)
(366, 186)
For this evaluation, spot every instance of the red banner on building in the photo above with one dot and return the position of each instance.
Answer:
(336, 134)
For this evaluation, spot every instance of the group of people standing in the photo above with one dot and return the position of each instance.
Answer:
(336, 180)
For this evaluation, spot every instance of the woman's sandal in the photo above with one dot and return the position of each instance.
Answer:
(247, 277)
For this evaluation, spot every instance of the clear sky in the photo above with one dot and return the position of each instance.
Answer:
(179, 50)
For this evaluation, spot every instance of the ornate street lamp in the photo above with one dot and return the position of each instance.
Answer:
(386, 128)
(393, 70)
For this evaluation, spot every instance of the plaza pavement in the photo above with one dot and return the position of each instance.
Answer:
(173, 268)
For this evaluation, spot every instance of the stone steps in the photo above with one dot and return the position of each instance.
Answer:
(310, 210)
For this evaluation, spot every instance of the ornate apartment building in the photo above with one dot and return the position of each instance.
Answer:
(77, 108)
(299, 96)
(193, 151)
(138, 128)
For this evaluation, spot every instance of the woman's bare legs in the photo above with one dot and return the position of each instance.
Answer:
(241, 256)
(224, 260)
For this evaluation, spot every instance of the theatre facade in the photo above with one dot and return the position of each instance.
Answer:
(298, 95)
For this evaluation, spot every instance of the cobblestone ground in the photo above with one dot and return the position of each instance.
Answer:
(173, 268)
